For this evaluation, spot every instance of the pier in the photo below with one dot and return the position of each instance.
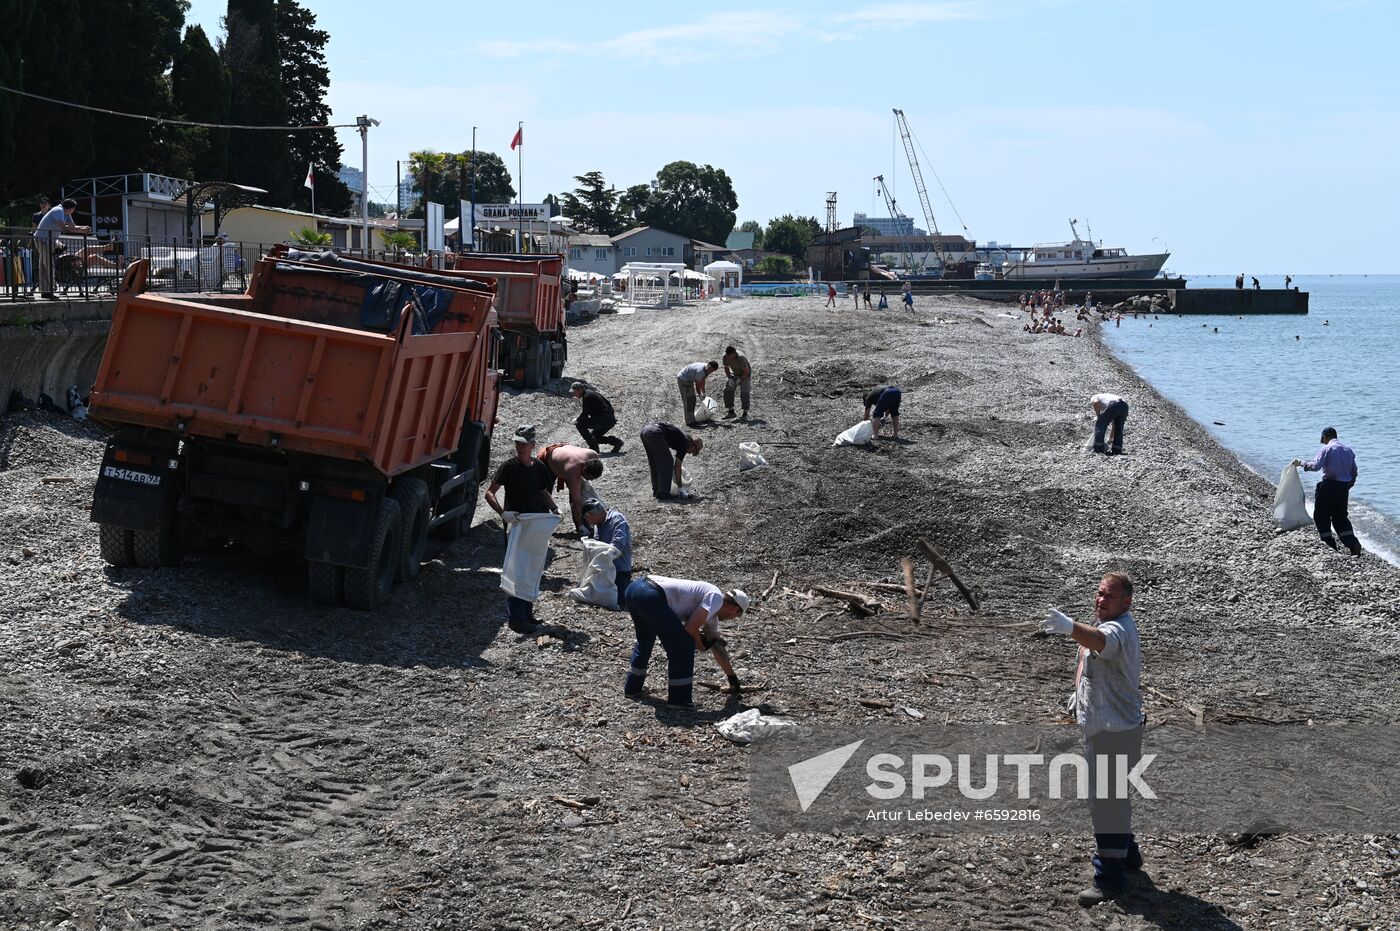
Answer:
(1236, 301)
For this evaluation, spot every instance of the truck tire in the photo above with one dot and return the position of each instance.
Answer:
(162, 546)
(114, 543)
(415, 513)
(536, 358)
(368, 588)
(455, 527)
(325, 583)
(556, 369)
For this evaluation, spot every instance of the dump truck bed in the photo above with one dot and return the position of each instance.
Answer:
(529, 298)
(287, 367)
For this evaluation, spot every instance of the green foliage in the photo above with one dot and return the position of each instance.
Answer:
(251, 55)
(592, 206)
(200, 89)
(774, 265)
(632, 205)
(693, 200)
(311, 238)
(398, 241)
(42, 51)
(306, 79)
(447, 177)
(755, 227)
(789, 235)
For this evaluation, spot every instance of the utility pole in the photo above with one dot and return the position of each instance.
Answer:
(363, 123)
(473, 216)
(830, 231)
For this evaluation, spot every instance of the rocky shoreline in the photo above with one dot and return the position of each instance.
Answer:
(199, 747)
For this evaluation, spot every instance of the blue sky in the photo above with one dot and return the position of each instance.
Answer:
(1255, 137)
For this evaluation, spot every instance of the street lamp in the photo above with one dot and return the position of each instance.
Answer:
(363, 123)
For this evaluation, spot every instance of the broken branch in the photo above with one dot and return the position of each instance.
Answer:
(942, 565)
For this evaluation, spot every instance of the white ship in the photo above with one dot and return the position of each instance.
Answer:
(1082, 258)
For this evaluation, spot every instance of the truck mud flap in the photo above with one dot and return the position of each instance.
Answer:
(130, 496)
(340, 531)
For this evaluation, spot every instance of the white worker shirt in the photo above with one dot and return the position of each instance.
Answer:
(1109, 695)
(683, 596)
(1105, 399)
(692, 373)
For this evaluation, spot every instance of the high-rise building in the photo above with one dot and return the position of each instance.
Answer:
(889, 226)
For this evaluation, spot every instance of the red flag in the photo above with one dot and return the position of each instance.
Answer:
(519, 138)
(310, 177)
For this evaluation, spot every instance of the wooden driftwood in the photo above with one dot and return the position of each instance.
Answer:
(859, 604)
(942, 565)
(907, 565)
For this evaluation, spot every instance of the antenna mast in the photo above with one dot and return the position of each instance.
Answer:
(830, 231)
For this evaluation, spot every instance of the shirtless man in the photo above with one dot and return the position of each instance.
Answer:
(571, 466)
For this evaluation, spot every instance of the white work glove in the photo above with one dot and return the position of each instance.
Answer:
(1056, 622)
(510, 517)
(1296, 462)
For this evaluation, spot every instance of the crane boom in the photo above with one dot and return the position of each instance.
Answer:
(894, 214)
(914, 170)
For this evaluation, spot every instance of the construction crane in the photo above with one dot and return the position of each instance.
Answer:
(908, 140)
(895, 214)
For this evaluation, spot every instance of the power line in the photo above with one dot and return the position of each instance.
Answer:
(173, 122)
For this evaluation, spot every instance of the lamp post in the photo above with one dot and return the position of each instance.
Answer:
(363, 123)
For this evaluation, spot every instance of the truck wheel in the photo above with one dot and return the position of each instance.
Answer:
(325, 583)
(415, 514)
(162, 546)
(556, 369)
(536, 364)
(368, 588)
(114, 543)
(455, 527)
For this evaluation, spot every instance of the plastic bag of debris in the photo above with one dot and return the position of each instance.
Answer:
(748, 726)
(1290, 506)
(750, 457)
(706, 409)
(862, 434)
(683, 489)
(599, 583)
(527, 549)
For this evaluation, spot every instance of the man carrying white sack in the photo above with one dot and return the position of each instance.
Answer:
(610, 526)
(1107, 702)
(527, 482)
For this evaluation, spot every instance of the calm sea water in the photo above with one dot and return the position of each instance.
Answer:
(1266, 386)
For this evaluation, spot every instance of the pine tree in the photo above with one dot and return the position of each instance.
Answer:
(305, 79)
(250, 53)
(200, 89)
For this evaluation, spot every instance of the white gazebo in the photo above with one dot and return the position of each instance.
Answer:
(729, 275)
(649, 283)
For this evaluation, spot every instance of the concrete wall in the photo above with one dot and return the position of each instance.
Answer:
(46, 347)
(1237, 301)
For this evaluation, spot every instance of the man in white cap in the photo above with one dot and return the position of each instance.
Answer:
(527, 482)
(684, 615)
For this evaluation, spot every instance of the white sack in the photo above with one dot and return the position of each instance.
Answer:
(750, 457)
(1290, 507)
(683, 488)
(862, 434)
(527, 549)
(706, 409)
(599, 583)
(748, 726)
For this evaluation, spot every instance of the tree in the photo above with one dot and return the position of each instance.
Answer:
(752, 226)
(697, 201)
(305, 79)
(774, 265)
(632, 205)
(311, 238)
(789, 235)
(129, 46)
(592, 207)
(449, 181)
(257, 157)
(493, 184)
(428, 169)
(42, 145)
(200, 92)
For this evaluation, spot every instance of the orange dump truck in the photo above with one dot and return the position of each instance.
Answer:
(338, 411)
(530, 303)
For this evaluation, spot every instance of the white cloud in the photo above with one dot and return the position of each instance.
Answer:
(892, 15)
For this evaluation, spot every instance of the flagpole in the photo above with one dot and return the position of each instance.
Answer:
(312, 173)
(520, 187)
(473, 194)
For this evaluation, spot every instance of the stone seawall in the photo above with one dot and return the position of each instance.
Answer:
(47, 347)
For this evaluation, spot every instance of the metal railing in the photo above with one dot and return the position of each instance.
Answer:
(76, 267)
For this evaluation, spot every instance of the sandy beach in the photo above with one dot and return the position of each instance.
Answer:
(201, 748)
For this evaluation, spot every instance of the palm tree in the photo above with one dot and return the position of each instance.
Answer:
(427, 166)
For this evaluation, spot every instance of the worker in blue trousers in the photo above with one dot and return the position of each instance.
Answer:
(684, 615)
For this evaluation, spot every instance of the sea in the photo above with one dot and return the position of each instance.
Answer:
(1265, 386)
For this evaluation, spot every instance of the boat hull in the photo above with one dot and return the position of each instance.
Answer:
(1131, 267)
